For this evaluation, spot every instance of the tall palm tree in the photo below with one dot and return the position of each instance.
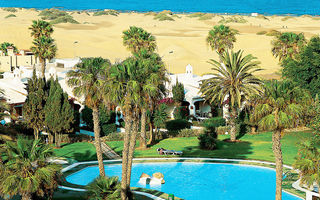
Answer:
(136, 39)
(287, 44)
(40, 28)
(44, 48)
(308, 163)
(279, 106)
(221, 38)
(86, 81)
(232, 80)
(131, 80)
(25, 170)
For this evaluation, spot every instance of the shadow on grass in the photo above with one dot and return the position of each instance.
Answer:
(86, 156)
(239, 150)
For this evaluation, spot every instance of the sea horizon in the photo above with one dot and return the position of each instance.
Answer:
(265, 7)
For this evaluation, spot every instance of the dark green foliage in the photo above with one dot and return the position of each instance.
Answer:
(11, 15)
(86, 115)
(5, 45)
(105, 117)
(305, 70)
(59, 115)
(181, 112)
(57, 16)
(160, 116)
(208, 141)
(106, 12)
(108, 128)
(33, 108)
(10, 9)
(178, 92)
(103, 188)
(213, 123)
(177, 124)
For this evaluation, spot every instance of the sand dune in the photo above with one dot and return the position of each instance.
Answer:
(184, 37)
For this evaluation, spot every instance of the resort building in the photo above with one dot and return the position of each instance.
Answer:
(14, 60)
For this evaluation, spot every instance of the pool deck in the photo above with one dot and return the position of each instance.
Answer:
(295, 185)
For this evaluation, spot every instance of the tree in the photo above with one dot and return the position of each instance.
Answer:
(3, 105)
(131, 80)
(308, 164)
(136, 39)
(33, 108)
(221, 38)
(287, 45)
(160, 117)
(178, 93)
(86, 81)
(104, 188)
(304, 69)
(59, 115)
(40, 28)
(25, 170)
(232, 82)
(279, 106)
(4, 46)
(44, 48)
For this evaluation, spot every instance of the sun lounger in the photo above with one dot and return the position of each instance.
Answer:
(163, 151)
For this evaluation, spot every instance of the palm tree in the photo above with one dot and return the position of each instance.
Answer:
(3, 105)
(86, 81)
(136, 39)
(287, 45)
(25, 170)
(44, 48)
(308, 163)
(160, 117)
(233, 82)
(4, 46)
(131, 81)
(221, 38)
(104, 188)
(279, 107)
(40, 28)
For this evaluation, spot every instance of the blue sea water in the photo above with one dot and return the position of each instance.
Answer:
(194, 181)
(296, 7)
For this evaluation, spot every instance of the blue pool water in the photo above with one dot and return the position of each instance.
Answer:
(297, 7)
(194, 181)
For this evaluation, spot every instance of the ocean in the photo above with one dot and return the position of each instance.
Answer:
(267, 7)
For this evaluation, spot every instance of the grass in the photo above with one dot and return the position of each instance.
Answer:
(256, 147)
(106, 12)
(57, 16)
(261, 32)
(233, 19)
(10, 9)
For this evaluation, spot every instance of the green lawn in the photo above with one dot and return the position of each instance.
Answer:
(257, 147)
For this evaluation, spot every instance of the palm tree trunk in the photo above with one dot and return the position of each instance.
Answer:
(57, 140)
(36, 134)
(125, 151)
(133, 139)
(233, 125)
(43, 67)
(276, 147)
(26, 196)
(253, 129)
(151, 133)
(50, 138)
(143, 142)
(96, 128)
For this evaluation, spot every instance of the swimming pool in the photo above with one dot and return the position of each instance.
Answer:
(193, 180)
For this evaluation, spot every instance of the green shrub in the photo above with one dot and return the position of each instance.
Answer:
(113, 137)
(189, 133)
(163, 17)
(104, 188)
(177, 124)
(206, 16)
(64, 19)
(73, 138)
(286, 18)
(261, 32)
(11, 15)
(106, 129)
(181, 112)
(212, 123)
(10, 9)
(106, 12)
(233, 19)
(207, 142)
(221, 130)
(273, 33)
(150, 13)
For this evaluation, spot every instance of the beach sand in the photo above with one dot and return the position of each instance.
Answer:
(185, 37)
